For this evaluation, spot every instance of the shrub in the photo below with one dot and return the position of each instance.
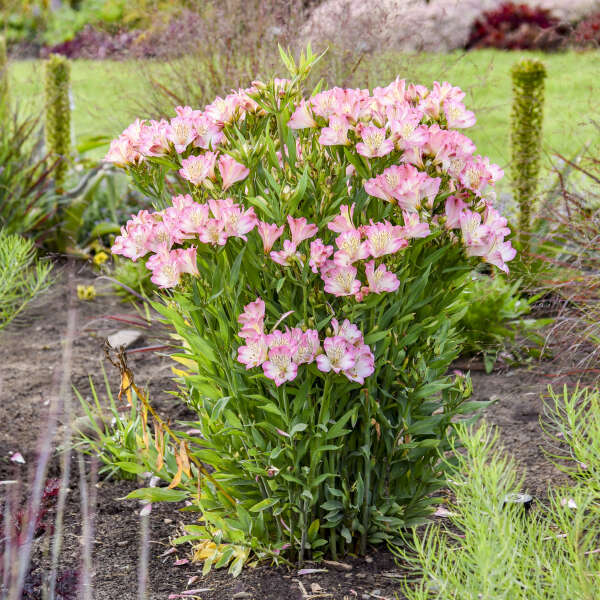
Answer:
(22, 277)
(318, 374)
(516, 27)
(526, 137)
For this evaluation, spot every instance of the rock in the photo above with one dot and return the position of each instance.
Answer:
(340, 566)
(124, 338)
(241, 595)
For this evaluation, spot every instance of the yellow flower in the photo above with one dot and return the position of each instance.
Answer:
(100, 258)
(86, 292)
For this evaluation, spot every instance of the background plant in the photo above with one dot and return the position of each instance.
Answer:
(497, 321)
(57, 124)
(22, 276)
(27, 199)
(516, 26)
(493, 548)
(526, 138)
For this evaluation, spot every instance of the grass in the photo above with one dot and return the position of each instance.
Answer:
(491, 549)
(105, 93)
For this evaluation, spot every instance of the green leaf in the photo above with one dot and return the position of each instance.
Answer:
(264, 504)
(313, 530)
(298, 428)
(235, 268)
(158, 495)
(130, 467)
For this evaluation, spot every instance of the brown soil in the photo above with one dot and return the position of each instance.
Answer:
(30, 371)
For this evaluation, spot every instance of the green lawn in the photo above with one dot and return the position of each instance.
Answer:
(106, 94)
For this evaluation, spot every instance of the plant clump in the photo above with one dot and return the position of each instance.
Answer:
(312, 252)
(517, 27)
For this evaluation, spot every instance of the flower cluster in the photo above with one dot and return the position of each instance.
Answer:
(337, 268)
(482, 234)
(416, 123)
(188, 129)
(280, 353)
(210, 223)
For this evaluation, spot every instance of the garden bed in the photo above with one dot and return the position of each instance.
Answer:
(30, 367)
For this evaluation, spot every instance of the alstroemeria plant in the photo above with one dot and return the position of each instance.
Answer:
(312, 253)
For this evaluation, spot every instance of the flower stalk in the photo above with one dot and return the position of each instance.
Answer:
(526, 138)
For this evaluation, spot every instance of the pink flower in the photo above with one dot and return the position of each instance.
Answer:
(343, 222)
(325, 104)
(122, 152)
(236, 222)
(224, 110)
(154, 138)
(193, 217)
(457, 116)
(213, 233)
(181, 202)
(473, 232)
(186, 260)
(374, 142)
(380, 279)
(404, 125)
(231, 171)
(404, 185)
(181, 133)
(453, 209)
(339, 355)
(478, 173)
(254, 353)
(319, 253)
(287, 256)
(269, 233)
(208, 133)
(341, 281)
(493, 250)
(350, 247)
(301, 230)
(384, 238)
(283, 338)
(302, 118)
(349, 331)
(165, 269)
(496, 223)
(252, 319)
(280, 366)
(308, 347)
(364, 365)
(413, 227)
(164, 235)
(432, 103)
(336, 134)
(133, 241)
(198, 168)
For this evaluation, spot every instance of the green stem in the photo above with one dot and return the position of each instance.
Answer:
(367, 475)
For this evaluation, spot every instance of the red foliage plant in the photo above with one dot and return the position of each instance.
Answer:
(517, 27)
(587, 32)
